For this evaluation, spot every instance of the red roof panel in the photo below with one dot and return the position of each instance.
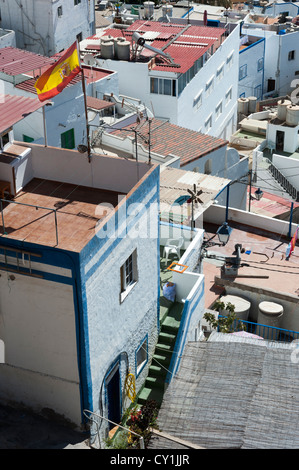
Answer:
(15, 61)
(15, 108)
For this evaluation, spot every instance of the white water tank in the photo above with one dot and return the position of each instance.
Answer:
(242, 306)
(269, 314)
(167, 10)
(243, 105)
(292, 115)
(252, 104)
(149, 9)
(107, 50)
(123, 50)
(282, 109)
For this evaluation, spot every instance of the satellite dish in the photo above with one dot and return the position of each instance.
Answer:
(89, 60)
(82, 148)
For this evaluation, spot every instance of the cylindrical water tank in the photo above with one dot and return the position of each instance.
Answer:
(149, 9)
(252, 104)
(243, 105)
(123, 50)
(242, 306)
(269, 314)
(282, 109)
(292, 115)
(106, 38)
(107, 50)
(116, 42)
(167, 10)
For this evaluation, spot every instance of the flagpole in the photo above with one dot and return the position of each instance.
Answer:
(85, 105)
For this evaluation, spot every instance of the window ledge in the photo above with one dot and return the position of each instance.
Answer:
(126, 292)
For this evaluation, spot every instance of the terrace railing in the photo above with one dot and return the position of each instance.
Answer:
(271, 333)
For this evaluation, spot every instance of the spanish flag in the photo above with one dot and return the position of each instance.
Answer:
(59, 75)
(291, 245)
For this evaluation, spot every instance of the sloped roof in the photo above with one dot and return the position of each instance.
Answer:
(167, 138)
(15, 108)
(233, 392)
(15, 61)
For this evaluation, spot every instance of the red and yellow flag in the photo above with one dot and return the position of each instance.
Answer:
(59, 75)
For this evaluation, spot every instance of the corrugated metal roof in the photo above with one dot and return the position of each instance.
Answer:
(96, 103)
(15, 108)
(15, 61)
(189, 46)
(175, 183)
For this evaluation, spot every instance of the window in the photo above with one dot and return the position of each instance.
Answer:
(229, 60)
(258, 91)
(128, 275)
(218, 110)
(220, 72)
(208, 123)
(228, 96)
(59, 11)
(210, 86)
(291, 55)
(141, 356)
(197, 102)
(79, 37)
(260, 64)
(163, 86)
(68, 139)
(76, 2)
(243, 72)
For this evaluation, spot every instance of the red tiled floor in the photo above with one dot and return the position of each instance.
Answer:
(75, 208)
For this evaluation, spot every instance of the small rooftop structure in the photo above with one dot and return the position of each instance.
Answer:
(183, 44)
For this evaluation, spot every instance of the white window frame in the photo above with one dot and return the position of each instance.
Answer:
(228, 96)
(208, 123)
(128, 275)
(230, 59)
(197, 102)
(220, 72)
(218, 110)
(142, 355)
(210, 86)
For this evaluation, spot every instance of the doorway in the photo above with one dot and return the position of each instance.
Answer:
(271, 85)
(280, 140)
(113, 396)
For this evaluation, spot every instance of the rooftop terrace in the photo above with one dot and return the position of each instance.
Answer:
(32, 219)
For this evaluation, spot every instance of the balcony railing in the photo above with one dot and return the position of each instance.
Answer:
(270, 333)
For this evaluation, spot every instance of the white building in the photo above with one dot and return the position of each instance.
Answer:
(251, 67)
(281, 52)
(79, 280)
(64, 123)
(7, 38)
(47, 27)
(184, 72)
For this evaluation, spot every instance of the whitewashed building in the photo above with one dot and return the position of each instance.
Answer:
(63, 124)
(47, 27)
(79, 282)
(281, 52)
(251, 67)
(7, 38)
(184, 72)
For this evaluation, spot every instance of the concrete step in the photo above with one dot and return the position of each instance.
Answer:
(157, 371)
(155, 382)
(150, 394)
(166, 338)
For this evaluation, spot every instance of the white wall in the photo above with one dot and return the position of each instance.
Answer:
(38, 27)
(291, 136)
(8, 39)
(40, 345)
(249, 58)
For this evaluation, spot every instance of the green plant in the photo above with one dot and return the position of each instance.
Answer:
(141, 420)
(227, 323)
